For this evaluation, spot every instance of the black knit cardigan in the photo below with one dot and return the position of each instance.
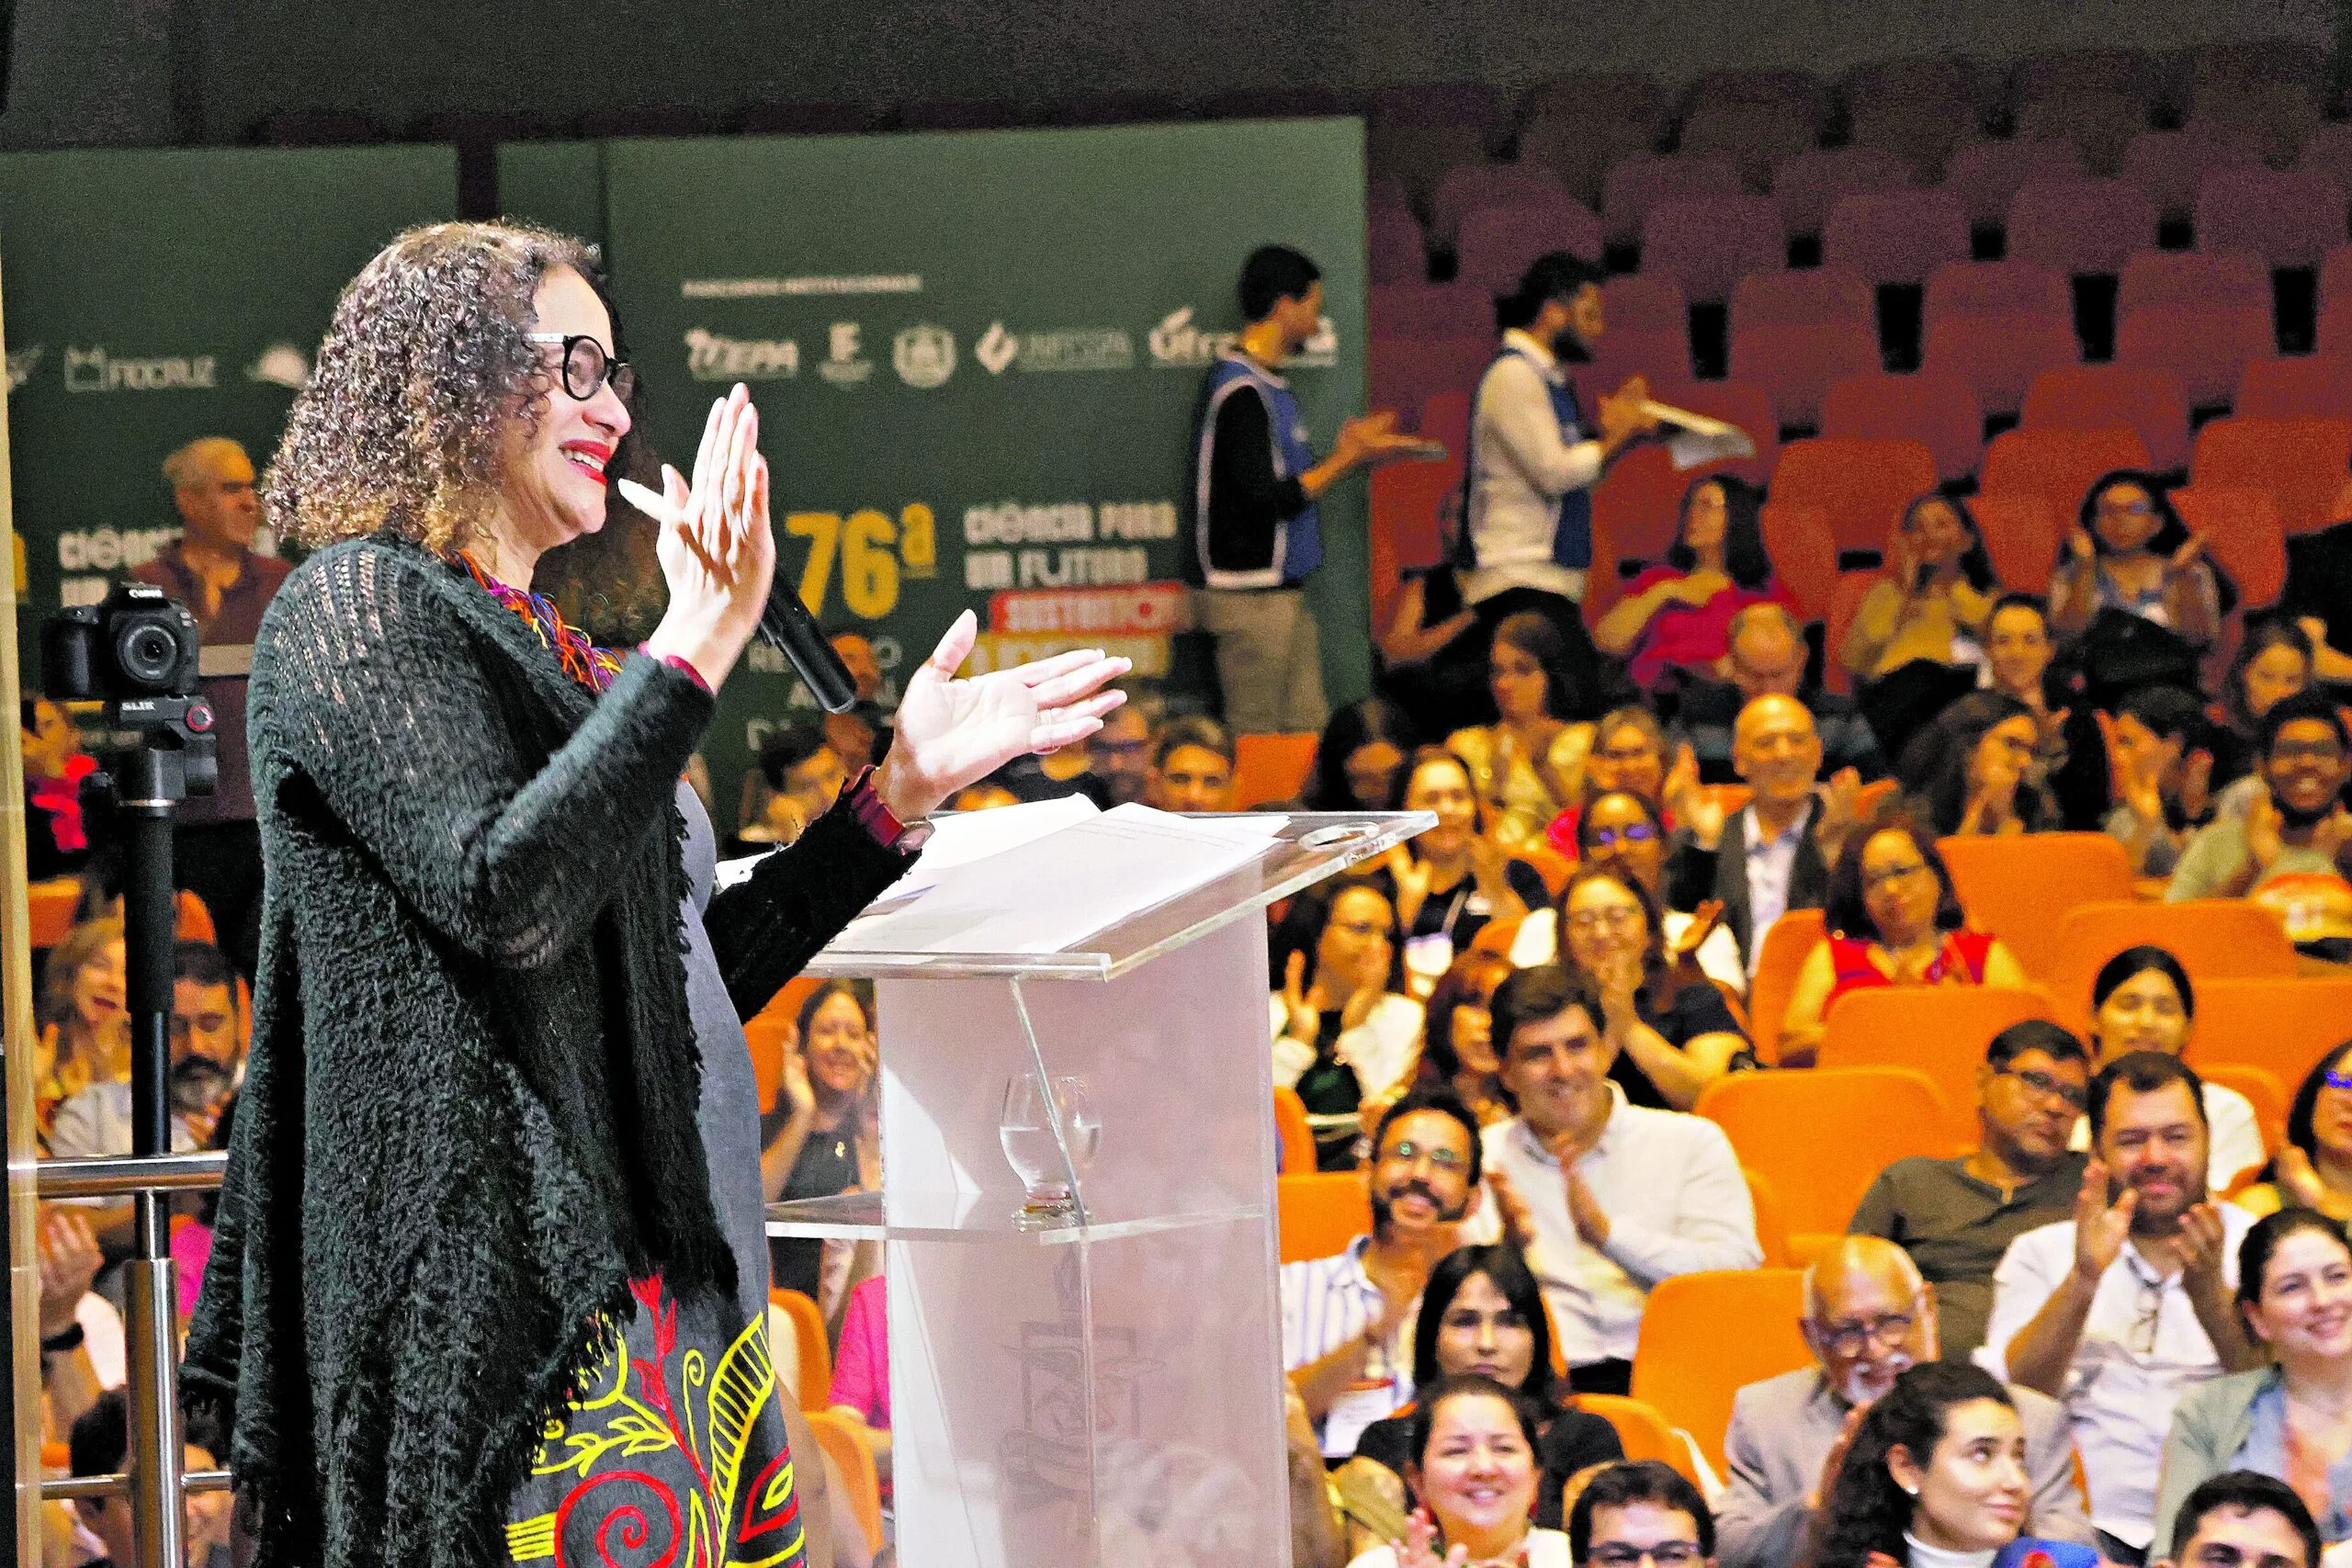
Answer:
(469, 1117)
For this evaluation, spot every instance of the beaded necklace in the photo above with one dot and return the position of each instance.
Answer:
(592, 666)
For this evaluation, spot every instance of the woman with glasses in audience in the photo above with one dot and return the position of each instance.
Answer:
(1935, 1476)
(1674, 1031)
(1623, 831)
(1526, 765)
(822, 1136)
(1458, 1037)
(2130, 553)
(1344, 1031)
(2292, 1419)
(2142, 1000)
(1629, 752)
(1894, 920)
(1450, 881)
(1974, 772)
(2314, 1169)
(1676, 618)
(1475, 1468)
(1482, 1314)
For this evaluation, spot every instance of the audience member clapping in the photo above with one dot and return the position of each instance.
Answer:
(2161, 751)
(1932, 605)
(1474, 1466)
(1971, 770)
(821, 1137)
(1675, 619)
(1359, 759)
(1623, 831)
(1869, 1319)
(1458, 1037)
(1956, 1217)
(2286, 1420)
(1349, 1320)
(1672, 1032)
(2130, 559)
(1629, 752)
(1450, 881)
(1775, 854)
(1525, 764)
(1936, 1477)
(2314, 1169)
(1894, 920)
(1192, 767)
(2142, 1000)
(2120, 1311)
(1481, 1313)
(81, 1013)
(1615, 1197)
(1344, 1031)
(2285, 850)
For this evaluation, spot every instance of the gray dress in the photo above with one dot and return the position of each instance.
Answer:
(673, 1449)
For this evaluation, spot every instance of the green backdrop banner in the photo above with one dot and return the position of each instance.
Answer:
(976, 359)
(155, 297)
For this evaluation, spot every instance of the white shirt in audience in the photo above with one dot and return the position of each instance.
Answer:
(2142, 1349)
(2233, 1136)
(1676, 1202)
(1383, 1049)
(1326, 1302)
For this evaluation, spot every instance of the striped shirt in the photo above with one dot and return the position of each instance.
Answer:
(1327, 1302)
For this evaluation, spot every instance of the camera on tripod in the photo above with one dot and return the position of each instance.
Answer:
(136, 650)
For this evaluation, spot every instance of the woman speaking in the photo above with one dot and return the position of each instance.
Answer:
(489, 1281)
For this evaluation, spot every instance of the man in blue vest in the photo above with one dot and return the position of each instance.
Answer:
(1255, 534)
(1526, 539)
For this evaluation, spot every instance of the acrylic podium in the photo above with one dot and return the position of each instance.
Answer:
(1105, 1390)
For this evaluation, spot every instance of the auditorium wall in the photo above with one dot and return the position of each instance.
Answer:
(103, 71)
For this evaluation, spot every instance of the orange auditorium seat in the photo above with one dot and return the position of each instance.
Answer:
(1800, 363)
(1943, 1030)
(1643, 1431)
(1808, 185)
(1639, 181)
(1929, 406)
(1998, 356)
(1863, 486)
(1785, 945)
(2213, 938)
(1804, 556)
(1710, 243)
(2243, 534)
(1896, 236)
(1771, 1219)
(2301, 462)
(1645, 304)
(768, 1029)
(1270, 767)
(1987, 175)
(2058, 466)
(1408, 504)
(2021, 889)
(51, 907)
(1821, 1136)
(2192, 277)
(1687, 1366)
(1319, 1212)
(1997, 288)
(2020, 535)
(855, 1463)
(1294, 1137)
(2281, 1026)
(2100, 397)
(1426, 310)
(2080, 226)
(2206, 345)
(2316, 386)
(1498, 243)
(1803, 297)
(815, 1389)
(2261, 1088)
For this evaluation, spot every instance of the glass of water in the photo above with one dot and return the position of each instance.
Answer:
(1026, 1130)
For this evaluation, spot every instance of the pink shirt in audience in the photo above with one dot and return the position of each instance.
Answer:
(1692, 635)
(862, 1365)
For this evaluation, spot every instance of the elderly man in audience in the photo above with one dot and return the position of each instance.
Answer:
(1767, 658)
(1869, 1318)
(1775, 855)
(1612, 1197)
(2120, 1310)
(1956, 1217)
(1347, 1319)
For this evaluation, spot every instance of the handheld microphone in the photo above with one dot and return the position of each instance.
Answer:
(785, 624)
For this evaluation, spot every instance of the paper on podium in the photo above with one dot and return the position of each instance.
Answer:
(958, 838)
(1059, 886)
(1698, 439)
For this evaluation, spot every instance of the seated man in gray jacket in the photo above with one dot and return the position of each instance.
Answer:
(1868, 1318)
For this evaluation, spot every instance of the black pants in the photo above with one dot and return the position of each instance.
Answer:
(1597, 685)
(220, 863)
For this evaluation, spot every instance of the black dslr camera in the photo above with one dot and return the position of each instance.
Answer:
(136, 650)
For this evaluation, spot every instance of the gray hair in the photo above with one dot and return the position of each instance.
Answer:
(190, 466)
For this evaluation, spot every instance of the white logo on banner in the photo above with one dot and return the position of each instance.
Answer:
(845, 363)
(997, 349)
(924, 355)
(1178, 343)
(711, 358)
(22, 363)
(280, 365)
(95, 371)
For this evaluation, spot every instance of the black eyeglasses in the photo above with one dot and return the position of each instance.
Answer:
(586, 367)
(1665, 1554)
(2043, 1086)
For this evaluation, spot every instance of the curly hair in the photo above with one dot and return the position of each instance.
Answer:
(424, 369)
(1866, 1511)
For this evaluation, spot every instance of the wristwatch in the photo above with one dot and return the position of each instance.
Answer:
(60, 1343)
(878, 819)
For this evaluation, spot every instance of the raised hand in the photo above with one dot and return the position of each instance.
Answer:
(2264, 832)
(2100, 1228)
(2314, 628)
(2197, 784)
(2184, 557)
(2200, 1245)
(70, 1259)
(2080, 545)
(1411, 879)
(2293, 1173)
(1418, 1548)
(717, 551)
(1684, 949)
(1835, 1459)
(1305, 1018)
(2333, 831)
(1841, 805)
(1518, 1219)
(952, 732)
